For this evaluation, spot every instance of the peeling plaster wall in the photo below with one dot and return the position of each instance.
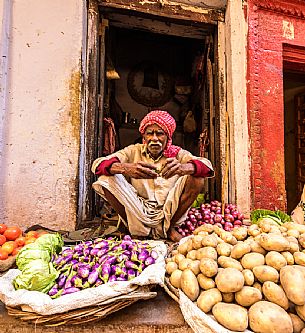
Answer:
(41, 127)
(271, 24)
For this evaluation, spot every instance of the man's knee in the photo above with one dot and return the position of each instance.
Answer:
(195, 184)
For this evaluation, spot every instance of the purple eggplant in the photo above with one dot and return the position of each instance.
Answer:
(53, 291)
(71, 281)
(98, 282)
(116, 270)
(66, 252)
(94, 251)
(87, 250)
(149, 261)
(83, 271)
(58, 260)
(127, 253)
(70, 290)
(127, 238)
(112, 278)
(111, 260)
(122, 257)
(130, 265)
(79, 248)
(102, 252)
(102, 244)
(106, 270)
(93, 276)
(143, 255)
(154, 254)
(121, 278)
(78, 282)
(61, 280)
(131, 274)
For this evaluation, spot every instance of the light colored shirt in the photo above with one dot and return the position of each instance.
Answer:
(155, 189)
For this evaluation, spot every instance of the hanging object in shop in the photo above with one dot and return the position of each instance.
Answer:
(109, 136)
(189, 123)
(111, 73)
(204, 142)
(150, 85)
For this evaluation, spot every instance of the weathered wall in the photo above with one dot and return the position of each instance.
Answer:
(40, 126)
(271, 23)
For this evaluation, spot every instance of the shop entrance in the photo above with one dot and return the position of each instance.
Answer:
(294, 101)
(294, 122)
(147, 62)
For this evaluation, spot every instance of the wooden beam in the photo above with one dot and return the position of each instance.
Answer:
(169, 9)
(89, 144)
(156, 26)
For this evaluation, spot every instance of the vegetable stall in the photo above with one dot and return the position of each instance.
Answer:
(227, 274)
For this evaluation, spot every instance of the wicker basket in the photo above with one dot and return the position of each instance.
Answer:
(7, 264)
(83, 315)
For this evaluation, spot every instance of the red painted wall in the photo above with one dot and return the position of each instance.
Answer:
(271, 24)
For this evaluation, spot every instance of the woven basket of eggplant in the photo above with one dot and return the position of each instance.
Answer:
(73, 278)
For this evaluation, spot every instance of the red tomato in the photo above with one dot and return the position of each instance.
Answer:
(32, 234)
(3, 254)
(2, 239)
(3, 227)
(11, 233)
(16, 250)
(20, 241)
(9, 247)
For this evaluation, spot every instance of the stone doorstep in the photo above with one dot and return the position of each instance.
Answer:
(158, 315)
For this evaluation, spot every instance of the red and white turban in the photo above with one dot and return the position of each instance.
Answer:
(167, 123)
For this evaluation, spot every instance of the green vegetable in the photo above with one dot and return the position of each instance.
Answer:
(31, 252)
(277, 216)
(53, 243)
(38, 275)
(199, 200)
(34, 261)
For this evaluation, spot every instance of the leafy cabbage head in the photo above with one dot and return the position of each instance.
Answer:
(51, 242)
(31, 252)
(38, 275)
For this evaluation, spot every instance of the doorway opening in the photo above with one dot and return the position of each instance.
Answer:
(294, 122)
(294, 132)
(146, 63)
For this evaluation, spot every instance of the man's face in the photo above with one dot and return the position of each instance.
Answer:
(155, 139)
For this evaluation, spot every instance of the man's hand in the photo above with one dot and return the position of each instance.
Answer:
(139, 170)
(174, 167)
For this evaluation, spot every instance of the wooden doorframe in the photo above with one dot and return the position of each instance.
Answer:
(88, 147)
(90, 100)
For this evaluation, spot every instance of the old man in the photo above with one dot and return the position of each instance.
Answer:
(152, 185)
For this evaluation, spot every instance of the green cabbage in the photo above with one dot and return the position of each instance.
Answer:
(277, 216)
(34, 261)
(31, 252)
(51, 242)
(38, 275)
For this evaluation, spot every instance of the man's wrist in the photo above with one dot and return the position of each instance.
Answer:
(116, 168)
(190, 168)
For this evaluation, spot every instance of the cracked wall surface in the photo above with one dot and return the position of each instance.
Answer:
(272, 24)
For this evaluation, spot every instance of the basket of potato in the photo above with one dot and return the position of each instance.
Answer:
(252, 278)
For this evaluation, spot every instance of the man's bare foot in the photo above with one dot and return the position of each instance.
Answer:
(173, 235)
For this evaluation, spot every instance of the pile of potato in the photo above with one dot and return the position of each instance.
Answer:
(252, 277)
